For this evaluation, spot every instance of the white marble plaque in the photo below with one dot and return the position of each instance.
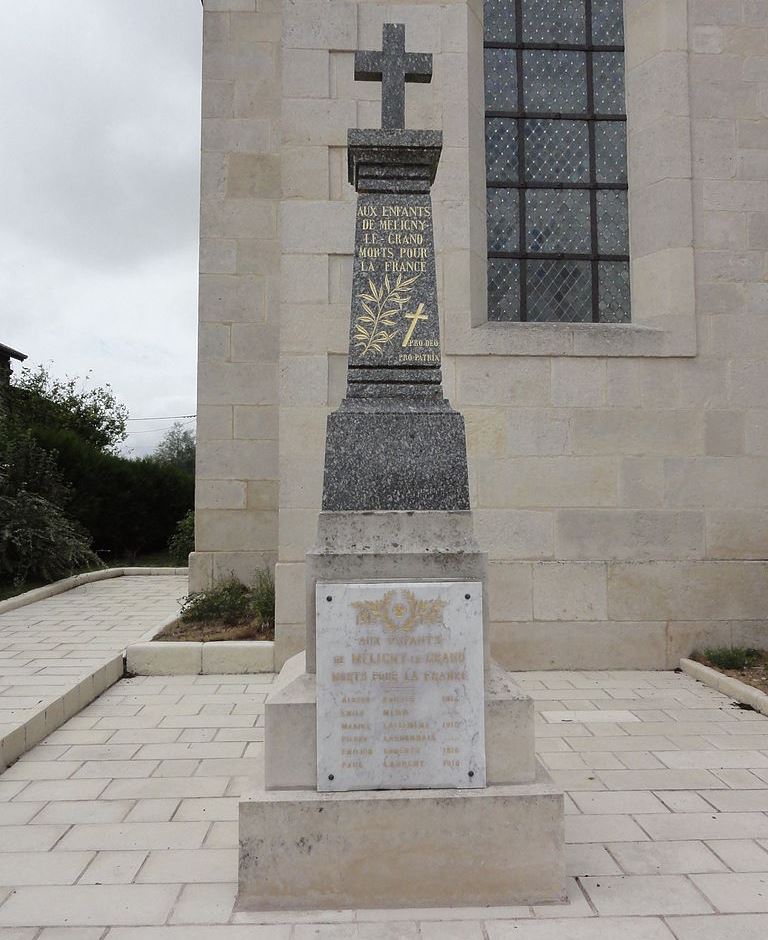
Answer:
(400, 689)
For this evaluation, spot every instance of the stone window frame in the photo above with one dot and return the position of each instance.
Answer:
(660, 209)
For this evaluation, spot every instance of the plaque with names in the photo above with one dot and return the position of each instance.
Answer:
(400, 686)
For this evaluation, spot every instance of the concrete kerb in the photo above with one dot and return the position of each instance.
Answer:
(88, 577)
(226, 657)
(733, 688)
(51, 714)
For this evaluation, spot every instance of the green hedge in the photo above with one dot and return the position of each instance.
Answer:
(130, 507)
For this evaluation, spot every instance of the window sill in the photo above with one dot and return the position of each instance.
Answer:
(571, 339)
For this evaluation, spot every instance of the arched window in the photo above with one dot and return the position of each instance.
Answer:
(556, 161)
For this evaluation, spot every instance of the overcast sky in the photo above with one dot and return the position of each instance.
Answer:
(99, 164)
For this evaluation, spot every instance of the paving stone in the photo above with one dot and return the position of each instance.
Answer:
(738, 801)
(205, 904)
(42, 868)
(258, 932)
(113, 868)
(590, 859)
(446, 930)
(646, 894)
(604, 928)
(705, 826)
(86, 905)
(30, 838)
(82, 811)
(724, 927)
(203, 865)
(613, 828)
(741, 854)
(214, 810)
(63, 790)
(15, 814)
(631, 801)
(734, 893)
(713, 760)
(660, 779)
(71, 933)
(181, 835)
(664, 858)
(589, 717)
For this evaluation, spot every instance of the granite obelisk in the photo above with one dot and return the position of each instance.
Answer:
(395, 443)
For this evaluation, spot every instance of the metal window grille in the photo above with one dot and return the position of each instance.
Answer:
(556, 161)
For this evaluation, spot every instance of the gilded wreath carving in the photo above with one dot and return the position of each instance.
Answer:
(377, 325)
(403, 612)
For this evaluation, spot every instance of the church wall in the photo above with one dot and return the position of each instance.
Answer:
(237, 427)
(618, 474)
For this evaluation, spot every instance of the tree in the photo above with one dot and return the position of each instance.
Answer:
(94, 414)
(177, 448)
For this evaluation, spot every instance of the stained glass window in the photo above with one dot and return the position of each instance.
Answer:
(556, 161)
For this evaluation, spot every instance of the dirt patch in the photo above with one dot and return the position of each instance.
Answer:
(755, 674)
(198, 631)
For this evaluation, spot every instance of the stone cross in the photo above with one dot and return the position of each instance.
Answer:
(393, 67)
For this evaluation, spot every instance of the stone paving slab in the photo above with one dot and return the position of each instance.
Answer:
(59, 653)
(122, 824)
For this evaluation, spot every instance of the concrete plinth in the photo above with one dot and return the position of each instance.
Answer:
(304, 850)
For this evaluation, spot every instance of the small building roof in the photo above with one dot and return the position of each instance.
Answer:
(8, 353)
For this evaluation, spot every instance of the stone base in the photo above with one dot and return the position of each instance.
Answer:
(290, 748)
(303, 850)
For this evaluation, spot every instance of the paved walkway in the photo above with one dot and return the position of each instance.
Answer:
(125, 818)
(47, 647)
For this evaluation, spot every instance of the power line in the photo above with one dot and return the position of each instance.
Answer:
(165, 427)
(161, 418)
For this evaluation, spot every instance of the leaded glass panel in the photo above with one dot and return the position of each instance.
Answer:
(557, 221)
(553, 21)
(500, 22)
(612, 224)
(608, 72)
(614, 291)
(611, 151)
(503, 289)
(500, 80)
(503, 220)
(556, 151)
(501, 157)
(555, 81)
(556, 161)
(607, 22)
(560, 290)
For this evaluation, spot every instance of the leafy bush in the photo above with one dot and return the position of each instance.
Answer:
(94, 414)
(38, 542)
(732, 657)
(232, 602)
(177, 447)
(130, 507)
(24, 464)
(182, 542)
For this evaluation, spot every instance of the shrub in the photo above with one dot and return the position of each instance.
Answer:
(232, 602)
(182, 542)
(732, 657)
(38, 542)
(130, 507)
(94, 414)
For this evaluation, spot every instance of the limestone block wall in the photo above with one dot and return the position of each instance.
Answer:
(238, 346)
(619, 474)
